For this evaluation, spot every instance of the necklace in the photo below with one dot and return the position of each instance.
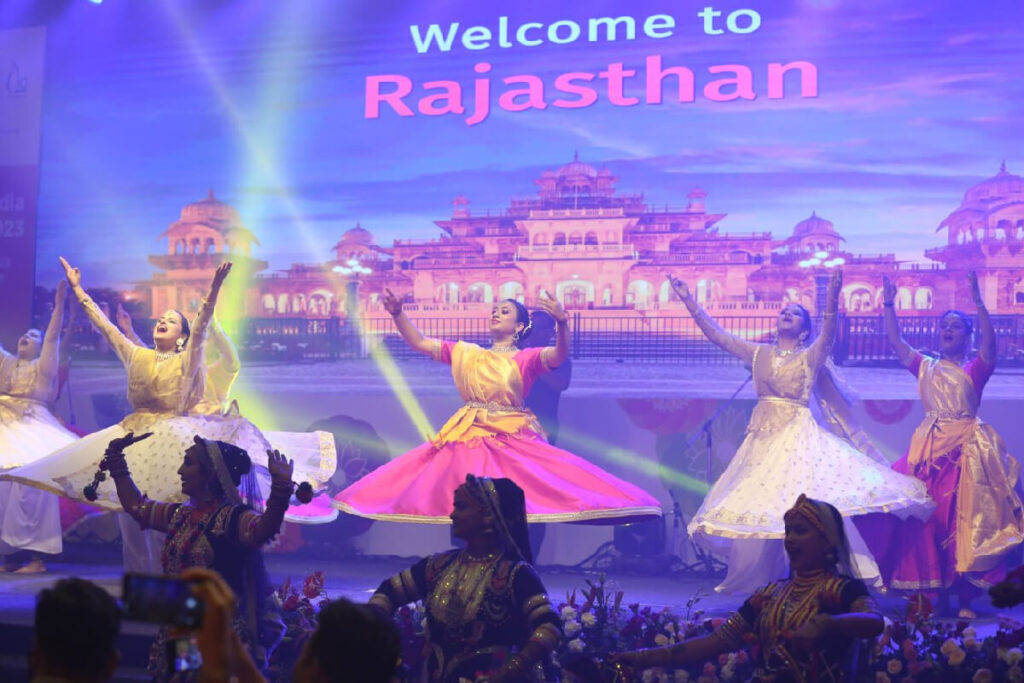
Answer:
(504, 348)
(164, 355)
(783, 353)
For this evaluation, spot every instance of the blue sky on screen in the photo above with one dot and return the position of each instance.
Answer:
(149, 104)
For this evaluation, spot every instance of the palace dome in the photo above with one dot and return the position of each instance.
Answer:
(1003, 185)
(357, 235)
(209, 210)
(577, 168)
(814, 225)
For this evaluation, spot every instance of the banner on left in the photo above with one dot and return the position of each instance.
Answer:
(22, 58)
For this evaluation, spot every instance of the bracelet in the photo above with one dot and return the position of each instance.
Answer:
(117, 465)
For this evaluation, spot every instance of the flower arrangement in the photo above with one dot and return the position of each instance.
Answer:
(913, 648)
(919, 649)
(299, 607)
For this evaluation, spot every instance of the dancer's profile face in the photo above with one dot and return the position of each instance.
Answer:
(168, 327)
(505, 319)
(806, 547)
(467, 515)
(192, 472)
(953, 334)
(30, 344)
(791, 320)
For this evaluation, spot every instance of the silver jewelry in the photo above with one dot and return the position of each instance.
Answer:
(164, 355)
(504, 348)
(782, 353)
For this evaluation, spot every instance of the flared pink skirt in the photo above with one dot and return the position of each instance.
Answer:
(559, 486)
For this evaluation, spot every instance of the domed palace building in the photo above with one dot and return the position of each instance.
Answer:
(604, 254)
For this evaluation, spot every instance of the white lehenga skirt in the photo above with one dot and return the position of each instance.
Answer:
(741, 518)
(29, 517)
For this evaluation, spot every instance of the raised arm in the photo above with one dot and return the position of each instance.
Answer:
(987, 346)
(821, 347)
(257, 529)
(194, 365)
(410, 334)
(904, 352)
(741, 348)
(229, 361)
(149, 514)
(49, 355)
(553, 356)
(124, 323)
(122, 346)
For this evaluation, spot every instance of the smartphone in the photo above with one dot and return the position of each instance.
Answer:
(164, 600)
(183, 655)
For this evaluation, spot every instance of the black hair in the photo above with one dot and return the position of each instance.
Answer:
(186, 329)
(355, 643)
(968, 323)
(236, 459)
(522, 316)
(76, 628)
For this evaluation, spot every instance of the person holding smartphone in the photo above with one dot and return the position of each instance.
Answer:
(216, 530)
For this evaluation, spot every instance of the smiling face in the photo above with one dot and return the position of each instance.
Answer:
(469, 519)
(30, 344)
(792, 321)
(505, 320)
(194, 473)
(168, 329)
(807, 548)
(954, 335)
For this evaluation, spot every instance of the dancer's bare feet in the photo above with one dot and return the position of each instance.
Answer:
(34, 566)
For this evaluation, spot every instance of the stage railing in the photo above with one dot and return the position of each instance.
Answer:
(861, 340)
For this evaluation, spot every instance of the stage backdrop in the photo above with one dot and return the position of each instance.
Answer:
(22, 55)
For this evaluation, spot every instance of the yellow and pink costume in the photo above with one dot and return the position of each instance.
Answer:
(494, 435)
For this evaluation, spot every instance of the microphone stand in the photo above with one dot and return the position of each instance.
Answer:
(706, 564)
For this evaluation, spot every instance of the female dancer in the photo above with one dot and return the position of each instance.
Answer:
(786, 451)
(314, 451)
(493, 434)
(803, 626)
(961, 460)
(487, 611)
(30, 518)
(164, 383)
(214, 529)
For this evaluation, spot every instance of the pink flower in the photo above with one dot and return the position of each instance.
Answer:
(882, 677)
(956, 658)
(723, 660)
(982, 676)
(894, 666)
(710, 669)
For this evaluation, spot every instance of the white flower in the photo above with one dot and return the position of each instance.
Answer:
(1013, 655)
(572, 628)
(681, 676)
(661, 640)
(727, 671)
(670, 627)
(969, 632)
(648, 676)
(1014, 674)
(576, 645)
(568, 613)
(588, 619)
(971, 644)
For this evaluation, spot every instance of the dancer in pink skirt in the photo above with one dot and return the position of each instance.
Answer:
(962, 460)
(494, 435)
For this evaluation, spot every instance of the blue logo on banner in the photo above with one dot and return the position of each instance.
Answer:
(16, 83)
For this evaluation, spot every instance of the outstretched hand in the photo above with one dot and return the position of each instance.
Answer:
(679, 287)
(74, 275)
(392, 304)
(552, 307)
(124, 319)
(123, 442)
(972, 277)
(220, 275)
(835, 285)
(888, 291)
(62, 291)
(279, 466)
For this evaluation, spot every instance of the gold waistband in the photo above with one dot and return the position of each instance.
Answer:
(949, 415)
(779, 399)
(495, 407)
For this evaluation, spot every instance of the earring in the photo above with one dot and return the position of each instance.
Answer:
(515, 336)
(180, 344)
(803, 337)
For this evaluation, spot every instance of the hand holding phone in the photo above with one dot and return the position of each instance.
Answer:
(165, 600)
